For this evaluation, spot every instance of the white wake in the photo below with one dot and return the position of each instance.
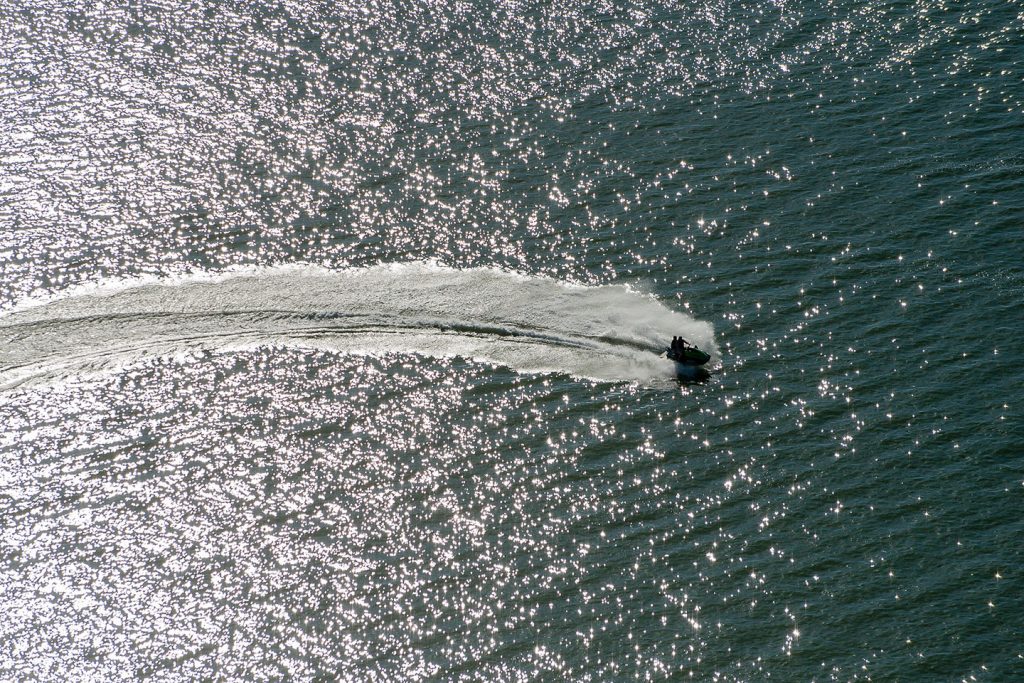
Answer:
(527, 323)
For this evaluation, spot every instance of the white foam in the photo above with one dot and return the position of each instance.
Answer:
(528, 323)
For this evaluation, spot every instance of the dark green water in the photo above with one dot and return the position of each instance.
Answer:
(239, 441)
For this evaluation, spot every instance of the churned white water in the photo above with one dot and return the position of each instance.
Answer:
(528, 323)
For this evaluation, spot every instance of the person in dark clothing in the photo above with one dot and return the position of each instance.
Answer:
(678, 346)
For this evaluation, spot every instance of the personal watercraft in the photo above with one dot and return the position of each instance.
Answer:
(687, 354)
(688, 360)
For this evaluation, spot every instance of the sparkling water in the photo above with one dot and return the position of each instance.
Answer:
(330, 335)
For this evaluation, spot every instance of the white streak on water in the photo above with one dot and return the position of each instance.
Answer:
(527, 323)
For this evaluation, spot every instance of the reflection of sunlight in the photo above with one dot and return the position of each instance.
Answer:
(217, 460)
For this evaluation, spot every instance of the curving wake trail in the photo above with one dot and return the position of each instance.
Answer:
(528, 323)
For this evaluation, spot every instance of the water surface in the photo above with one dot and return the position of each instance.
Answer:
(329, 333)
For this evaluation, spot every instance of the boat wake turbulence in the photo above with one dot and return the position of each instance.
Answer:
(527, 323)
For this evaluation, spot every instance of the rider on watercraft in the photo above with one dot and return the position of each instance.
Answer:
(682, 351)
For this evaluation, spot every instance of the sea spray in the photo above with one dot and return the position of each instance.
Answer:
(528, 323)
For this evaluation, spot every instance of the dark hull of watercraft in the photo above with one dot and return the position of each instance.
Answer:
(689, 356)
(688, 364)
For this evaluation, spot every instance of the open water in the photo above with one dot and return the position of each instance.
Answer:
(329, 334)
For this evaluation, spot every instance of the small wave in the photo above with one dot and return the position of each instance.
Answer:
(527, 323)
